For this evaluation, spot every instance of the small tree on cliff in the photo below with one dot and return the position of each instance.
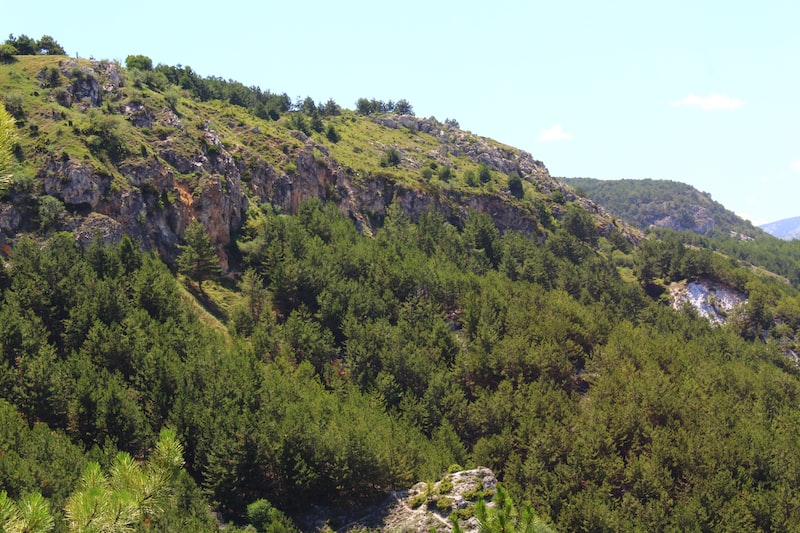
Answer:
(198, 259)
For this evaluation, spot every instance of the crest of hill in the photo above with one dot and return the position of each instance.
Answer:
(143, 151)
(647, 203)
(787, 229)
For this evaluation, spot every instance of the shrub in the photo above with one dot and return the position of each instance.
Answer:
(391, 157)
(484, 174)
(173, 96)
(7, 53)
(331, 134)
(470, 178)
(138, 62)
(515, 185)
(51, 213)
(444, 503)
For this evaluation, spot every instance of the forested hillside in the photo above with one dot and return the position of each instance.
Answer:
(664, 204)
(227, 314)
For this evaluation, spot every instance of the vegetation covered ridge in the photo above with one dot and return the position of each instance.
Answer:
(117, 149)
(384, 322)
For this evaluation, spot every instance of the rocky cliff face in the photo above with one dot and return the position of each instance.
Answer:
(182, 169)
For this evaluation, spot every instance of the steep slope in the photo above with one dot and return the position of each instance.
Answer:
(788, 228)
(132, 153)
(649, 203)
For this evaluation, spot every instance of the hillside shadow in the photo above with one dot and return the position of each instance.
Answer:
(206, 301)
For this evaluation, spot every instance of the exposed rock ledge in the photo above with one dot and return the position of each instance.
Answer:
(711, 299)
(427, 506)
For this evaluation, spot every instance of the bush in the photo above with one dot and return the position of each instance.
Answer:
(391, 158)
(7, 53)
(470, 178)
(331, 134)
(173, 96)
(266, 518)
(51, 213)
(515, 185)
(484, 174)
(444, 503)
(138, 62)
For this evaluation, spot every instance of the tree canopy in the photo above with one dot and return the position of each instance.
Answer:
(198, 259)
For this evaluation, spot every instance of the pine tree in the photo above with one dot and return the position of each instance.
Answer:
(198, 259)
(130, 493)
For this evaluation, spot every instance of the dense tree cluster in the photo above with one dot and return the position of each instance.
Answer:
(370, 106)
(343, 365)
(263, 104)
(28, 46)
(353, 365)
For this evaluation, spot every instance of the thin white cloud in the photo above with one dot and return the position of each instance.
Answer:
(796, 165)
(712, 102)
(554, 133)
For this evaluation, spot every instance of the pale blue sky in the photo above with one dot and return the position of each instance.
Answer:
(703, 92)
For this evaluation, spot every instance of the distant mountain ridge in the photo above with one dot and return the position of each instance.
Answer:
(649, 203)
(787, 228)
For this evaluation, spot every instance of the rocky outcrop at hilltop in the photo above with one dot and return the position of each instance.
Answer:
(145, 165)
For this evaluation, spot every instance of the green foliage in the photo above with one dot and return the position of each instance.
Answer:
(470, 178)
(31, 514)
(48, 46)
(366, 106)
(129, 494)
(51, 213)
(262, 104)
(391, 158)
(105, 134)
(331, 134)
(645, 203)
(580, 224)
(198, 259)
(7, 53)
(515, 185)
(353, 364)
(138, 62)
(484, 174)
(24, 45)
(297, 121)
(505, 517)
(267, 519)
(8, 137)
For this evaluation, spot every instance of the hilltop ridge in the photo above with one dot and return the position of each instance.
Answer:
(650, 203)
(127, 151)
